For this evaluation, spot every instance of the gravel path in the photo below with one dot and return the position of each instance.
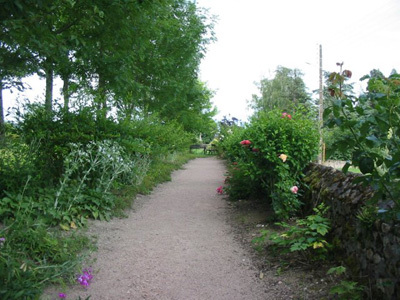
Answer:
(176, 243)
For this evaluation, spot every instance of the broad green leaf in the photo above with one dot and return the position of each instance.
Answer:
(366, 165)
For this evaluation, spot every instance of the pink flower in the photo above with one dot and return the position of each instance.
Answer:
(294, 189)
(62, 295)
(245, 143)
(220, 190)
(286, 115)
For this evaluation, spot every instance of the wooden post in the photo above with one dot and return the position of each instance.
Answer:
(321, 155)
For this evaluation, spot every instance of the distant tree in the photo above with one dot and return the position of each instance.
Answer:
(285, 91)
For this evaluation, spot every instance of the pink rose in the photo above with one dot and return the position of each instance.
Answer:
(294, 189)
(245, 143)
(220, 190)
(286, 115)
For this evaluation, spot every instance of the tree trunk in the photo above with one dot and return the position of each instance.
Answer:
(2, 125)
(65, 91)
(49, 88)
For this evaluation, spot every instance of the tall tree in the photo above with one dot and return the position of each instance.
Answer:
(285, 91)
(131, 55)
(48, 32)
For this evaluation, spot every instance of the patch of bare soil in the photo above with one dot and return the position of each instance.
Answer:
(302, 279)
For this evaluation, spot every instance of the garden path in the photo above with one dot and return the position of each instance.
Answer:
(176, 243)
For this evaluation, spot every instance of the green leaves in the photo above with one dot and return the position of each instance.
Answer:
(306, 235)
(366, 165)
(285, 145)
(372, 123)
(286, 92)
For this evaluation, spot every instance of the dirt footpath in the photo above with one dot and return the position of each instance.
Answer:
(177, 243)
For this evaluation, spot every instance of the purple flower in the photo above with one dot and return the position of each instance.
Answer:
(62, 295)
(85, 278)
(2, 240)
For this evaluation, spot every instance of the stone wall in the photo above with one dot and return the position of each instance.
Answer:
(369, 248)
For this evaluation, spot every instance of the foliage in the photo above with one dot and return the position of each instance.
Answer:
(263, 171)
(334, 133)
(284, 92)
(236, 189)
(367, 215)
(16, 163)
(162, 137)
(345, 289)
(76, 160)
(33, 255)
(373, 121)
(84, 188)
(330, 136)
(228, 130)
(308, 234)
(129, 55)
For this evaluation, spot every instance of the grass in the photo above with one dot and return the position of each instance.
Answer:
(354, 170)
(34, 255)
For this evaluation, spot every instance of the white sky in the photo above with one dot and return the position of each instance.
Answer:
(255, 36)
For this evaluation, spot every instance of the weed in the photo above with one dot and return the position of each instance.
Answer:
(345, 289)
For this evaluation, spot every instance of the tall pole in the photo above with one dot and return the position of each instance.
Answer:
(321, 156)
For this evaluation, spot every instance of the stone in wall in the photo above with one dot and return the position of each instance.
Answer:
(370, 250)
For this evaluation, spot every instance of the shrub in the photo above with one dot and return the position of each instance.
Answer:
(16, 163)
(373, 122)
(84, 189)
(278, 149)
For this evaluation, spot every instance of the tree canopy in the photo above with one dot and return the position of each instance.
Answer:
(285, 91)
(128, 57)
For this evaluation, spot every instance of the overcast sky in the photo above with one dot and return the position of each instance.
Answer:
(255, 36)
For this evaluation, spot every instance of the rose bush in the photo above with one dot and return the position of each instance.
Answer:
(284, 145)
